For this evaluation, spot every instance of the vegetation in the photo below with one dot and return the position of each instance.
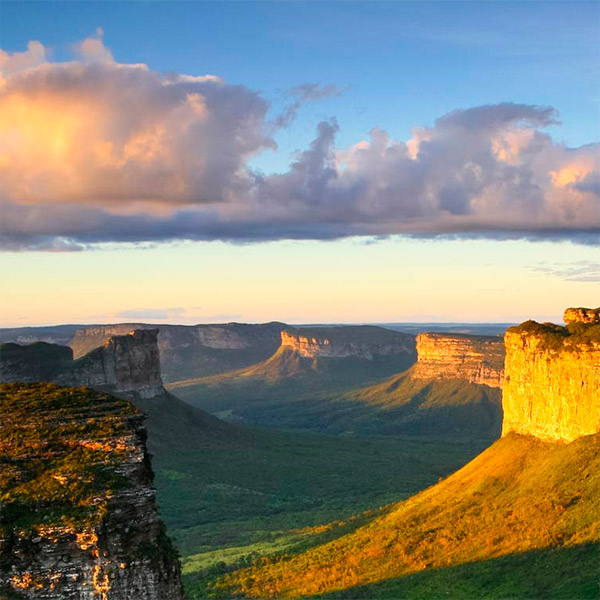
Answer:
(556, 338)
(521, 501)
(57, 462)
(229, 494)
(398, 405)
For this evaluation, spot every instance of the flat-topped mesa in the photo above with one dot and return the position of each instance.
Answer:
(552, 386)
(344, 342)
(124, 363)
(476, 358)
(79, 516)
(582, 315)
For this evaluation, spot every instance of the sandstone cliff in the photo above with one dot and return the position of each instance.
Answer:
(582, 315)
(552, 386)
(188, 351)
(125, 364)
(363, 342)
(477, 359)
(78, 518)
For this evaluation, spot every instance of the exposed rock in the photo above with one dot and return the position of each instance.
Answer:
(582, 315)
(125, 364)
(188, 351)
(351, 341)
(477, 359)
(78, 518)
(552, 386)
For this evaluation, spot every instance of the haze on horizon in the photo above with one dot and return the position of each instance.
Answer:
(445, 171)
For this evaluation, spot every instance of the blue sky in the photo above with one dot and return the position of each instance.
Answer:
(399, 64)
(165, 185)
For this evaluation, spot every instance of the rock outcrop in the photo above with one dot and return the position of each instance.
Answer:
(188, 351)
(78, 518)
(582, 315)
(552, 386)
(124, 364)
(363, 342)
(477, 359)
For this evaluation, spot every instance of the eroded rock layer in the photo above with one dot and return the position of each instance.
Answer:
(552, 386)
(364, 342)
(125, 364)
(477, 359)
(78, 518)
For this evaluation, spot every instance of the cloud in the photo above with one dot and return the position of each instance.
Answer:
(585, 271)
(96, 151)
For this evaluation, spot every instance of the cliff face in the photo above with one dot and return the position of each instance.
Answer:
(78, 518)
(125, 364)
(552, 386)
(477, 359)
(343, 342)
(188, 351)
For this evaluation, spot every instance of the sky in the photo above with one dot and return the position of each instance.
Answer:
(190, 162)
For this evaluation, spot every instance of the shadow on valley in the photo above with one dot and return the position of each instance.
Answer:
(552, 573)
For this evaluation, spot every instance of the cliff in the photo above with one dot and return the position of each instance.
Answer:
(582, 315)
(124, 364)
(552, 386)
(188, 351)
(476, 359)
(78, 518)
(364, 342)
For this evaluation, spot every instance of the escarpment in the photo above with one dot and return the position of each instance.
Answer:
(188, 351)
(477, 359)
(124, 364)
(78, 518)
(364, 342)
(552, 386)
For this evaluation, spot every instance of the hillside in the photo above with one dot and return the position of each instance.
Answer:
(521, 498)
(452, 390)
(77, 508)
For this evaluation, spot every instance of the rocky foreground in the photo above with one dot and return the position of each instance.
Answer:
(78, 517)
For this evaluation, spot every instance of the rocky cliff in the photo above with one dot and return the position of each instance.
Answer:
(188, 351)
(474, 358)
(552, 386)
(78, 518)
(582, 315)
(124, 364)
(364, 342)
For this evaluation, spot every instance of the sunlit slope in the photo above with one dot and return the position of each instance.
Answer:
(519, 496)
(398, 405)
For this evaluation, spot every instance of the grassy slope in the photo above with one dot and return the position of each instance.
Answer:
(520, 502)
(227, 493)
(286, 392)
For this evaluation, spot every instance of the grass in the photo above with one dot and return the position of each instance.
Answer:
(398, 405)
(229, 494)
(58, 465)
(520, 496)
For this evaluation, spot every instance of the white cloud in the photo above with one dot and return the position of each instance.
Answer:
(94, 150)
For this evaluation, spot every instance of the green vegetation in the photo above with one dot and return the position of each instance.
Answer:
(521, 501)
(399, 405)
(56, 455)
(556, 338)
(229, 494)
